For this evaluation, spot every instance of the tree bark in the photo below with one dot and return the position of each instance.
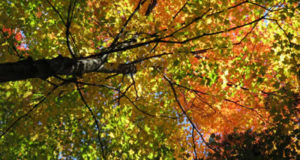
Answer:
(45, 68)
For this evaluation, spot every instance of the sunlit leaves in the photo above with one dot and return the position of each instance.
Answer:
(233, 64)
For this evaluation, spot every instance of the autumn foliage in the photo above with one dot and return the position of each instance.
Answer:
(149, 79)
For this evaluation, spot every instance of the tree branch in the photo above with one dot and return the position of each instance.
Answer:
(95, 121)
(31, 110)
(44, 68)
(125, 24)
(213, 33)
(184, 112)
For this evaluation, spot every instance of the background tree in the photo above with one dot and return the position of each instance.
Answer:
(148, 79)
(280, 141)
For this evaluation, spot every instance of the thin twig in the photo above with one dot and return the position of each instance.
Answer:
(177, 13)
(261, 6)
(252, 109)
(213, 33)
(53, 84)
(146, 113)
(228, 100)
(188, 118)
(57, 12)
(277, 23)
(134, 85)
(255, 24)
(111, 76)
(97, 85)
(68, 26)
(95, 120)
(194, 145)
(147, 58)
(31, 110)
(188, 24)
(125, 24)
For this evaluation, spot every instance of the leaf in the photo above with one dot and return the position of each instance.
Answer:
(100, 80)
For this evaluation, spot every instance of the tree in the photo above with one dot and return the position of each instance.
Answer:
(278, 141)
(148, 79)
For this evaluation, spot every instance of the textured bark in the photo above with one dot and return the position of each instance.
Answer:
(59, 66)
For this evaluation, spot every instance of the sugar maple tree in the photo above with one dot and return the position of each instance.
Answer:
(147, 79)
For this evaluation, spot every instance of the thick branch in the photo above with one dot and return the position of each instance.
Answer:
(59, 66)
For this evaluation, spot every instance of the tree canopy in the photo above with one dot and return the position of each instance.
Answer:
(149, 79)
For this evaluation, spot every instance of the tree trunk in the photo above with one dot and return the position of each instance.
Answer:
(45, 68)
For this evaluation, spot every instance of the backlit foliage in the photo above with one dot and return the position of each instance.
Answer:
(205, 69)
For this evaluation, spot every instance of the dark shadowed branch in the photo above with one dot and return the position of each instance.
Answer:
(186, 115)
(34, 107)
(194, 145)
(177, 13)
(125, 24)
(95, 121)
